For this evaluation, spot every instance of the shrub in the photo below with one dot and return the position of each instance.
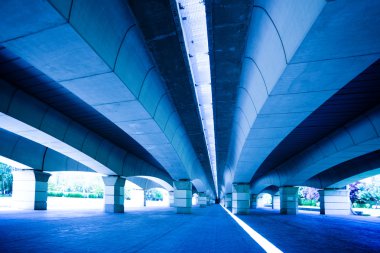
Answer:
(74, 195)
(95, 195)
(55, 194)
(307, 202)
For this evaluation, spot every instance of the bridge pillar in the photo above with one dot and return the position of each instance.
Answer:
(335, 201)
(276, 201)
(144, 197)
(228, 200)
(30, 189)
(288, 200)
(240, 198)
(114, 194)
(171, 199)
(202, 199)
(254, 201)
(183, 196)
(208, 201)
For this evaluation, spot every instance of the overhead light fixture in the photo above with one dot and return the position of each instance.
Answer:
(192, 15)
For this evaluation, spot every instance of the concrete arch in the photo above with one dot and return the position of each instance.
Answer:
(30, 118)
(199, 185)
(35, 155)
(144, 183)
(272, 190)
(150, 182)
(113, 52)
(348, 172)
(276, 93)
(357, 138)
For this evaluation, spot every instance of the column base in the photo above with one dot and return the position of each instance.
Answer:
(112, 208)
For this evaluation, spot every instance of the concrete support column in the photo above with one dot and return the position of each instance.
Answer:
(276, 201)
(228, 200)
(183, 196)
(202, 199)
(114, 194)
(30, 189)
(171, 199)
(240, 198)
(288, 200)
(254, 201)
(208, 201)
(335, 201)
(144, 197)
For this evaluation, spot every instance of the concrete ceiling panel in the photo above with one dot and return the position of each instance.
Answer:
(150, 138)
(5, 95)
(279, 120)
(295, 103)
(104, 28)
(327, 39)
(62, 6)
(75, 135)
(256, 86)
(99, 89)
(104, 152)
(60, 53)
(329, 75)
(91, 144)
(265, 48)
(286, 16)
(247, 106)
(22, 151)
(361, 131)
(152, 92)
(138, 127)
(116, 159)
(265, 133)
(123, 111)
(53, 124)
(172, 126)
(40, 16)
(163, 112)
(327, 147)
(31, 113)
(342, 140)
(133, 62)
(374, 117)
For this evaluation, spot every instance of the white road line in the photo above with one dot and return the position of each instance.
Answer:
(264, 243)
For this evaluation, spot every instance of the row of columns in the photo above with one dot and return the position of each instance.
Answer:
(332, 201)
(30, 192)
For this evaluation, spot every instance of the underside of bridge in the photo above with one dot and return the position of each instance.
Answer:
(226, 99)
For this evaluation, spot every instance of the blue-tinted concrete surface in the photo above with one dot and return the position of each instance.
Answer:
(310, 232)
(138, 230)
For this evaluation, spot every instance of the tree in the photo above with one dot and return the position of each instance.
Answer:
(308, 196)
(363, 193)
(6, 179)
(154, 194)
